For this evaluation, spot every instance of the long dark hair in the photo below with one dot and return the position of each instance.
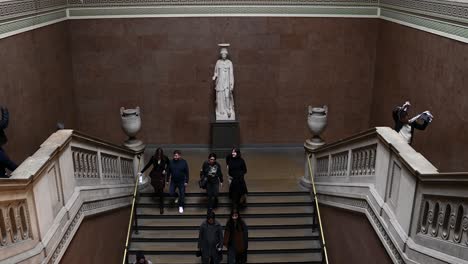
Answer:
(237, 150)
(235, 225)
(159, 154)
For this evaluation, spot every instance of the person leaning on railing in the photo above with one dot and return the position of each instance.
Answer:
(5, 162)
(405, 126)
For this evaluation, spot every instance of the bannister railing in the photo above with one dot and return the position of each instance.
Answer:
(42, 204)
(420, 214)
(317, 215)
(133, 218)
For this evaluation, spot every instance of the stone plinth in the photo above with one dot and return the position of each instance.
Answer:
(309, 146)
(224, 136)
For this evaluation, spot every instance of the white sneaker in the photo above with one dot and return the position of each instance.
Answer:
(176, 200)
(181, 209)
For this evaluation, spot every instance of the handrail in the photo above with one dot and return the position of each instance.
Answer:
(324, 246)
(135, 192)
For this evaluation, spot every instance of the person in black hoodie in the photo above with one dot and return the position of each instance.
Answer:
(237, 170)
(158, 175)
(5, 162)
(212, 174)
(179, 177)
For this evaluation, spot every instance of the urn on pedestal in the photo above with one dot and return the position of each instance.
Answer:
(317, 122)
(131, 125)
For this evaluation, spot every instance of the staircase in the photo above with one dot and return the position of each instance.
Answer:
(280, 228)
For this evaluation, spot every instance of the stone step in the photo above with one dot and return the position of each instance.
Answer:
(253, 233)
(273, 258)
(224, 199)
(251, 222)
(225, 193)
(225, 211)
(254, 246)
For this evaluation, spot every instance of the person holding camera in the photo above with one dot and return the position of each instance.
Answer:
(5, 161)
(211, 179)
(210, 240)
(405, 126)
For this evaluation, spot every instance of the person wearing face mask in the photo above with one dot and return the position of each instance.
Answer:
(237, 170)
(212, 174)
(210, 240)
(236, 238)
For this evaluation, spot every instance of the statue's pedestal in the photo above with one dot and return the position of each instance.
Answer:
(224, 136)
(309, 146)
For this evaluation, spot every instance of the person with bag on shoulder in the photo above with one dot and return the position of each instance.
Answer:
(211, 179)
(210, 240)
(236, 238)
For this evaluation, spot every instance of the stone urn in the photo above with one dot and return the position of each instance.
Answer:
(131, 125)
(317, 122)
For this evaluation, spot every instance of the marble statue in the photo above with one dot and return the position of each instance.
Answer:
(224, 78)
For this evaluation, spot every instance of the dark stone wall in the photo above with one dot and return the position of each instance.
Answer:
(99, 239)
(350, 238)
(432, 72)
(36, 85)
(165, 66)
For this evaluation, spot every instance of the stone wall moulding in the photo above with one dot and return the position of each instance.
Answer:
(18, 8)
(444, 18)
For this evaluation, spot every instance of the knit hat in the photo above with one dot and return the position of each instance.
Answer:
(210, 215)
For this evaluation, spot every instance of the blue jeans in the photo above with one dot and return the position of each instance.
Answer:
(181, 187)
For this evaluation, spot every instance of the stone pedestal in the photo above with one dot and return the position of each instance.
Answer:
(309, 146)
(224, 136)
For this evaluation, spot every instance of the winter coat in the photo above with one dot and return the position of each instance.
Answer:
(210, 238)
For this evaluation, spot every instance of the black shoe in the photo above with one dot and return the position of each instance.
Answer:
(161, 210)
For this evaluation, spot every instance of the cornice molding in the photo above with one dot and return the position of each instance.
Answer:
(444, 18)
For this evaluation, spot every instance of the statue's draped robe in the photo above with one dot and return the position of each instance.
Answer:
(224, 86)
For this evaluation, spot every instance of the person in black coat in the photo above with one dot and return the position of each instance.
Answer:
(5, 162)
(212, 174)
(158, 175)
(210, 240)
(237, 170)
(405, 126)
(236, 238)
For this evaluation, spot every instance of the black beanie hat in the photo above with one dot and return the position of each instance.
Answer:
(210, 214)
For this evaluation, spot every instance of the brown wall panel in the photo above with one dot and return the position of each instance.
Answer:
(350, 238)
(99, 239)
(36, 85)
(165, 66)
(432, 72)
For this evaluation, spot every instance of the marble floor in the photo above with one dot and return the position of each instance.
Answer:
(269, 169)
